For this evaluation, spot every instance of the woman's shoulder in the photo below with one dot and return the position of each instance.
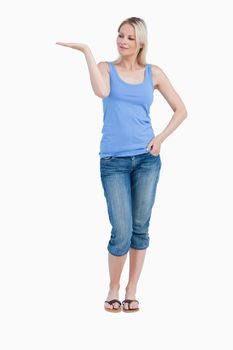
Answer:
(155, 68)
(157, 73)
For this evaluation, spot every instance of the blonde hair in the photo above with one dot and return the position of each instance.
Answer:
(141, 38)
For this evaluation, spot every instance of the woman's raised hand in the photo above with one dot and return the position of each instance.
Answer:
(76, 46)
(98, 83)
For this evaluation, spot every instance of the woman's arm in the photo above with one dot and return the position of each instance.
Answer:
(98, 73)
(165, 87)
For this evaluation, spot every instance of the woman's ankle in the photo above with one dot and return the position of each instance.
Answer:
(114, 287)
(130, 289)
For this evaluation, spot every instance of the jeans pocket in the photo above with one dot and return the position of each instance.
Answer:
(107, 158)
(153, 155)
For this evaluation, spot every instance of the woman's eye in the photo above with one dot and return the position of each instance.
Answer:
(120, 36)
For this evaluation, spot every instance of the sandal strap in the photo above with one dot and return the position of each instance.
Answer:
(113, 301)
(129, 301)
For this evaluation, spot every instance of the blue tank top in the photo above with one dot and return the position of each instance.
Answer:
(127, 128)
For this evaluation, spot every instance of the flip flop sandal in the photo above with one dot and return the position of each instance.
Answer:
(129, 301)
(111, 302)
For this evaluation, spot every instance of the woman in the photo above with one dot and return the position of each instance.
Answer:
(129, 150)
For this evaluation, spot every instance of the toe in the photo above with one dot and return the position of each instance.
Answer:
(116, 306)
(131, 305)
(108, 306)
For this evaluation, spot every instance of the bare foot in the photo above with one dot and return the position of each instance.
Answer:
(132, 305)
(112, 295)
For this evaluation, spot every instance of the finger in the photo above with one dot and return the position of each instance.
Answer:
(63, 44)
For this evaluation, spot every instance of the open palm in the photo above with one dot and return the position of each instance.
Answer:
(76, 46)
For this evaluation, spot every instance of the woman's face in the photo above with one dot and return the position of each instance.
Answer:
(126, 40)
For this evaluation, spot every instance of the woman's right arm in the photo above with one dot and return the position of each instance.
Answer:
(99, 74)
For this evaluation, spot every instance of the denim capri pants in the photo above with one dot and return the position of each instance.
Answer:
(129, 185)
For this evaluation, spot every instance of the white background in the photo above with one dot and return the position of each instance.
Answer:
(54, 223)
